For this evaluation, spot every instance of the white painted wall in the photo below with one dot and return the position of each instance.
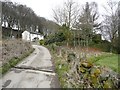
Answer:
(30, 37)
(26, 35)
(35, 35)
(4, 24)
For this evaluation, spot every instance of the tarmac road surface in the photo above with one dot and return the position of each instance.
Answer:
(35, 71)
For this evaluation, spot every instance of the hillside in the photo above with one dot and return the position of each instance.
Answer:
(14, 48)
(21, 17)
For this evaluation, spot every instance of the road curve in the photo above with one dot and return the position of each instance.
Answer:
(35, 71)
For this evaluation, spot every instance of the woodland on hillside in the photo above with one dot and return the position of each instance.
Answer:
(81, 25)
(23, 18)
(69, 19)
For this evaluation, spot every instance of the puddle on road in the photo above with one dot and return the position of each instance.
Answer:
(6, 83)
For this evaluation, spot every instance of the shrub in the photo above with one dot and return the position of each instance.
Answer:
(103, 45)
(42, 42)
(58, 37)
(71, 57)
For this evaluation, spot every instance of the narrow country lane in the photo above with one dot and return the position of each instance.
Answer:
(35, 71)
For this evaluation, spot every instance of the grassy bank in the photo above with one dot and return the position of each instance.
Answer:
(61, 69)
(84, 72)
(109, 61)
(13, 51)
(14, 61)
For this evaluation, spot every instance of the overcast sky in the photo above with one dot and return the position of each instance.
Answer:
(44, 8)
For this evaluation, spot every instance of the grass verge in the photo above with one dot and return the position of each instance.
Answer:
(111, 62)
(86, 74)
(14, 61)
(108, 60)
(61, 69)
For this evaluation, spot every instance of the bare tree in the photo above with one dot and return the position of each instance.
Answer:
(110, 23)
(68, 14)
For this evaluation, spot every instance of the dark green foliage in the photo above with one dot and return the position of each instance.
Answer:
(104, 45)
(96, 38)
(116, 45)
(58, 37)
(64, 34)
(41, 42)
(6, 33)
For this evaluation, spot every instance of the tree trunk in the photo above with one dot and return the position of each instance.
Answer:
(111, 46)
(119, 28)
(11, 33)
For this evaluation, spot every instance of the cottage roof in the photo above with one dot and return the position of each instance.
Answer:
(35, 33)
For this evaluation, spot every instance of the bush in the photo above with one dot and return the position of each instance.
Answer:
(58, 37)
(104, 45)
(71, 57)
(41, 42)
(59, 43)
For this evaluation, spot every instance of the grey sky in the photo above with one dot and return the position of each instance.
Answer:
(44, 8)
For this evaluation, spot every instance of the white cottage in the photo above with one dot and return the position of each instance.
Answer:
(31, 36)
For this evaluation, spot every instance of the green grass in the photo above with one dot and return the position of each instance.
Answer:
(14, 61)
(109, 61)
(61, 68)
